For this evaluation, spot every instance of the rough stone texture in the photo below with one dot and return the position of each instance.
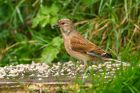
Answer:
(67, 69)
(42, 78)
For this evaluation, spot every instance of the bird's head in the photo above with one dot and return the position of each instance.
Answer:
(66, 26)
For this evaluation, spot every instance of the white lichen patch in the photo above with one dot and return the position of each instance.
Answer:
(69, 69)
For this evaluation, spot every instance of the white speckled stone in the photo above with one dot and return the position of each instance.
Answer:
(70, 69)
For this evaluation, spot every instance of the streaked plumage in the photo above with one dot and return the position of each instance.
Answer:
(79, 47)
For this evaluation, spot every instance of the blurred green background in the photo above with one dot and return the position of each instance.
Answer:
(27, 33)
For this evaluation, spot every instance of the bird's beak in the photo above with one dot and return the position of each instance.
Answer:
(55, 25)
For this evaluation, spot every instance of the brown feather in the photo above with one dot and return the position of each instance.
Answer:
(77, 46)
(80, 44)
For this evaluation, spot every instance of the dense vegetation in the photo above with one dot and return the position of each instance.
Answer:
(27, 33)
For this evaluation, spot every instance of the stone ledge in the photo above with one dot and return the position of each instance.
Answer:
(40, 76)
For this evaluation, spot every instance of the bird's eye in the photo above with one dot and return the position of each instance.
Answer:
(62, 23)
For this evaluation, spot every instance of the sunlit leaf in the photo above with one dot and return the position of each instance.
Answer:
(53, 21)
(50, 52)
(45, 16)
(54, 9)
(89, 2)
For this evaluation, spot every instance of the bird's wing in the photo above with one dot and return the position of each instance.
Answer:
(79, 44)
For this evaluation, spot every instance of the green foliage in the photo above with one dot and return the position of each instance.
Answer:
(111, 24)
(89, 2)
(50, 52)
(45, 16)
(26, 34)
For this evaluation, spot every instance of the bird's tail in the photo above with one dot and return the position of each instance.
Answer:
(113, 60)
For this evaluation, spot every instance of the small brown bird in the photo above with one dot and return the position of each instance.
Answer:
(79, 47)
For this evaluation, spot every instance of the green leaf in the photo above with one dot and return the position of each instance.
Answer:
(45, 20)
(45, 16)
(54, 9)
(44, 10)
(36, 21)
(89, 2)
(50, 52)
(53, 20)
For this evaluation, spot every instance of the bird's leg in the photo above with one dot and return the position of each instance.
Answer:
(85, 63)
(87, 71)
